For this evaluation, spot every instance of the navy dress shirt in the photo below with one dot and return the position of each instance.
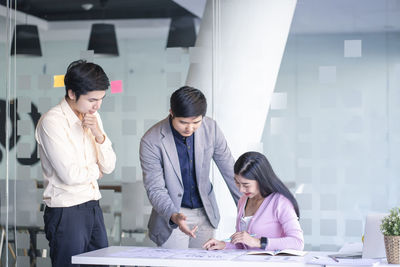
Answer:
(185, 148)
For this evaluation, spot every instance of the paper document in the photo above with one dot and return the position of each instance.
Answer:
(200, 254)
(142, 252)
(322, 260)
(258, 258)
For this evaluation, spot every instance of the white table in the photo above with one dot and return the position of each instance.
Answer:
(128, 256)
(142, 256)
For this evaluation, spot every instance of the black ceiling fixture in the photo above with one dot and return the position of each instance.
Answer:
(180, 35)
(182, 32)
(62, 10)
(26, 41)
(103, 40)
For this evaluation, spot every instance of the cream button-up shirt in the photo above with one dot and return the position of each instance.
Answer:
(71, 158)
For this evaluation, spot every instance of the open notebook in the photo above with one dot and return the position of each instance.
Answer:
(284, 252)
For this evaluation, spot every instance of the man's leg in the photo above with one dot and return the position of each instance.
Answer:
(99, 234)
(98, 238)
(177, 240)
(205, 231)
(68, 232)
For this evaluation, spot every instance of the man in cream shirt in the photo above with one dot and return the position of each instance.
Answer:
(75, 152)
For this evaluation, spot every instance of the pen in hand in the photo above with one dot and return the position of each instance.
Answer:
(229, 239)
(333, 258)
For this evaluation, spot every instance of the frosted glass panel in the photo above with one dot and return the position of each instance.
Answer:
(341, 132)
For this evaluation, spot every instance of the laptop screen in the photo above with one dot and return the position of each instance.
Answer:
(373, 246)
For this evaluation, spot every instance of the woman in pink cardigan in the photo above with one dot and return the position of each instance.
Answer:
(268, 214)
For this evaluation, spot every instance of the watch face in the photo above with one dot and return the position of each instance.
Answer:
(263, 242)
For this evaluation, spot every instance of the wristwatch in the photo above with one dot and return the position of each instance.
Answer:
(264, 242)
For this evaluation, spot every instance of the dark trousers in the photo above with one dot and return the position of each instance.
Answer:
(74, 230)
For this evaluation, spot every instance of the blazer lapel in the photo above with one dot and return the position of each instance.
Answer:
(169, 146)
(198, 151)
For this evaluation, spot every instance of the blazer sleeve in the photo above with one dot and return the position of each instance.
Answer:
(223, 158)
(154, 183)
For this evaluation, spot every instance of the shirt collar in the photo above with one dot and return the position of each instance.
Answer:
(68, 112)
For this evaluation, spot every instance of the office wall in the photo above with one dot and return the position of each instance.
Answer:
(332, 131)
(149, 73)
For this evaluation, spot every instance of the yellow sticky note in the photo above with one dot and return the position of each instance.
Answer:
(59, 81)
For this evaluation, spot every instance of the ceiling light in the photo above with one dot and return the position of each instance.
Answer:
(26, 41)
(181, 32)
(103, 40)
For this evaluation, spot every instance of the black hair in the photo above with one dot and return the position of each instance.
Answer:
(83, 77)
(255, 166)
(188, 102)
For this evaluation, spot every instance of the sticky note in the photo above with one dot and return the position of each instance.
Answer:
(352, 48)
(59, 81)
(116, 87)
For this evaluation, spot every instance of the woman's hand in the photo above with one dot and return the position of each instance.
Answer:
(245, 238)
(214, 244)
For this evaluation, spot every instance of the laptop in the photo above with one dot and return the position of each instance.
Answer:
(374, 246)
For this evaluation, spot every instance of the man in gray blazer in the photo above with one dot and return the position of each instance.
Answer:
(175, 156)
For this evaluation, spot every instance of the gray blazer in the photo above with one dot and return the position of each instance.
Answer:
(162, 175)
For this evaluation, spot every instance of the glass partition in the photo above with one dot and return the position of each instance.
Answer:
(152, 62)
(312, 84)
(331, 129)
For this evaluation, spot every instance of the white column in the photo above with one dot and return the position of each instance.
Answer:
(238, 72)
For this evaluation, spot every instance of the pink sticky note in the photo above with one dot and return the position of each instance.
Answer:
(116, 87)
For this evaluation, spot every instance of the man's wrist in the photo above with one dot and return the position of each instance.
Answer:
(100, 139)
(172, 219)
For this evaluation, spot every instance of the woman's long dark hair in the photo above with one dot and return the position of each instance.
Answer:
(255, 166)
